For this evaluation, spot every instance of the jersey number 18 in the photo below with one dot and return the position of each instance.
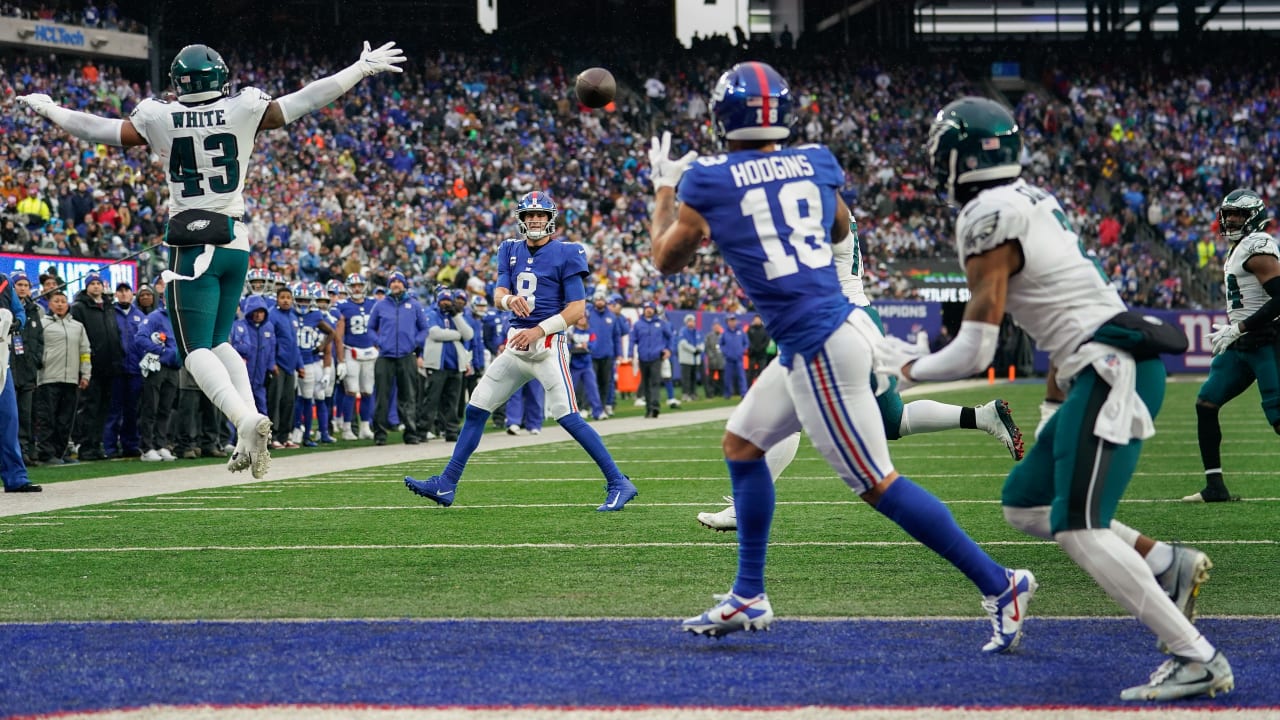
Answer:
(806, 234)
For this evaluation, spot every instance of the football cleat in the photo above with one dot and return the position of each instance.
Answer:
(731, 614)
(1008, 611)
(996, 419)
(366, 432)
(723, 521)
(1182, 581)
(253, 446)
(1181, 677)
(617, 494)
(435, 488)
(1210, 496)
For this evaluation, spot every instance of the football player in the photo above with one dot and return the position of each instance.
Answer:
(1020, 255)
(206, 138)
(314, 337)
(775, 213)
(919, 416)
(1244, 350)
(540, 280)
(360, 357)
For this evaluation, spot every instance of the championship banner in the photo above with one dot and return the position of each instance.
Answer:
(70, 270)
(1195, 324)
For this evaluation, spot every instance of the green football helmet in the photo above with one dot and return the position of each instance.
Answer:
(973, 140)
(1241, 214)
(199, 73)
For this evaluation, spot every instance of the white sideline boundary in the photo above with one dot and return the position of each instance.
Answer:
(285, 466)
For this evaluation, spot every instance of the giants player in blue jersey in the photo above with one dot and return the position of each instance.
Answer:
(540, 280)
(334, 369)
(773, 212)
(314, 336)
(359, 358)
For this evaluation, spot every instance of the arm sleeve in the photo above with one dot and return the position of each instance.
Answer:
(88, 127)
(316, 95)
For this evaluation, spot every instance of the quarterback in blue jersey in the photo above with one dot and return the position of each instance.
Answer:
(540, 280)
(773, 213)
(360, 356)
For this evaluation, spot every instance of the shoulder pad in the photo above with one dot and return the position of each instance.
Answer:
(986, 223)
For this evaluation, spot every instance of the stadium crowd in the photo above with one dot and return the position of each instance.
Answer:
(414, 177)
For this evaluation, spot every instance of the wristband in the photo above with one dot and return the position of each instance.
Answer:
(505, 302)
(553, 324)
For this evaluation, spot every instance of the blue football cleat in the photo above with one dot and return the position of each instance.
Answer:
(1008, 611)
(617, 494)
(433, 488)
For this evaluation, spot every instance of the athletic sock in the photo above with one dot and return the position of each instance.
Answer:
(308, 409)
(1209, 434)
(366, 408)
(925, 416)
(214, 380)
(590, 441)
(323, 415)
(468, 440)
(238, 371)
(753, 496)
(928, 520)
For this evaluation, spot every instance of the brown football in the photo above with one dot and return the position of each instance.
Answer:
(595, 87)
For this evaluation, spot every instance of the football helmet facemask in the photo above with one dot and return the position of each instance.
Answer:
(973, 140)
(536, 201)
(355, 286)
(199, 73)
(1241, 213)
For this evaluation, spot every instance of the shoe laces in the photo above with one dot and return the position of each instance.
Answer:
(1168, 668)
(728, 499)
(990, 604)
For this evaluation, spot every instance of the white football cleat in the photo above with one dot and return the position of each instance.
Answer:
(1008, 611)
(997, 421)
(1181, 581)
(366, 432)
(731, 614)
(1181, 677)
(723, 521)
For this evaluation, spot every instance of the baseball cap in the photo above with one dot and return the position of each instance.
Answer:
(615, 298)
(124, 286)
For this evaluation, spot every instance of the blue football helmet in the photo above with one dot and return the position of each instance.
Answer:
(262, 276)
(751, 101)
(301, 291)
(479, 304)
(355, 286)
(318, 291)
(536, 201)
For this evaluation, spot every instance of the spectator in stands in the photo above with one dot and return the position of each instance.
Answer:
(68, 368)
(94, 312)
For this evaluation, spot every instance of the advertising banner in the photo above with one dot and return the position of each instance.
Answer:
(70, 269)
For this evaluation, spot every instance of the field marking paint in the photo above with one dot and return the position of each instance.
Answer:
(549, 546)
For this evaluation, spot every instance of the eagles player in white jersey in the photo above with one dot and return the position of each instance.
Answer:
(205, 139)
(1244, 350)
(920, 416)
(1020, 253)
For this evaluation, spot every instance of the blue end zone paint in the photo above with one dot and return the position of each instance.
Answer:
(64, 667)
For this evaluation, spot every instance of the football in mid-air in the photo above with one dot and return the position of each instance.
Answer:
(595, 87)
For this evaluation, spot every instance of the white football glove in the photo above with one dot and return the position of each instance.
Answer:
(383, 59)
(665, 172)
(1048, 408)
(150, 363)
(1222, 337)
(326, 377)
(342, 371)
(892, 353)
(38, 103)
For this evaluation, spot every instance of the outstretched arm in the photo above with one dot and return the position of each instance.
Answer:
(316, 95)
(108, 131)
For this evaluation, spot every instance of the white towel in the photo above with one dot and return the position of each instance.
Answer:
(202, 263)
(1123, 415)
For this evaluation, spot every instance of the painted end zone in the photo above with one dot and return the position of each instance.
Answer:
(76, 667)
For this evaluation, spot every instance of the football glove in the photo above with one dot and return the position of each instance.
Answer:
(150, 363)
(342, 371)
(39, 103)
(1048, 408)
(892, 353)
(1222, 337)
(665, 172)
(383, 59)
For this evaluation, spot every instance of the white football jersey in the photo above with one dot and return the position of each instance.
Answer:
(1060, 296)
(1245, 295)
(205, 148)
(848, 259)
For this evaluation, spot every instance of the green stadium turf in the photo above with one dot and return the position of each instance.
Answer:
(524, 540)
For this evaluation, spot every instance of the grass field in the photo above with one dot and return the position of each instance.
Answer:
(523, 539)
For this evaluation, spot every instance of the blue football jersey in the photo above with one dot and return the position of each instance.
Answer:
(310, 336)
(549, 277)
(771, 213)
(357, 314)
